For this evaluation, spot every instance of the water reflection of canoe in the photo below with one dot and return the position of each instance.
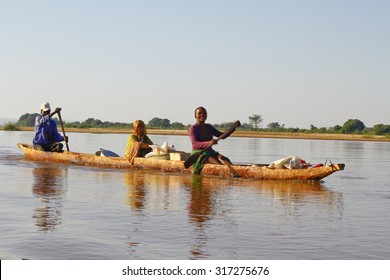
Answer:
(176, 166)
(141, 182)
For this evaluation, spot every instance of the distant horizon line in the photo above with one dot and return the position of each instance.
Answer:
(4, 120)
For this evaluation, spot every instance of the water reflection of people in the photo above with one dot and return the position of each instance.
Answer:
(138, 183)
(200, 204)
(199, 212)
(208, 200)
(49, 187)
(162, 188)
(136, 191)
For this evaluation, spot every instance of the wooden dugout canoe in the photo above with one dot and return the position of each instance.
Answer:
(258, 172)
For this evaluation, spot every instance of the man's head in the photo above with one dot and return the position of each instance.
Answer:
(45, 108)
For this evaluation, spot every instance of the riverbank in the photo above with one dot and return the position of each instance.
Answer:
(239, 133)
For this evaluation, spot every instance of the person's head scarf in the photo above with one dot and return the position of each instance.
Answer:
(138, 123)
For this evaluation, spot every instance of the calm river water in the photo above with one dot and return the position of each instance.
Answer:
(50, 211)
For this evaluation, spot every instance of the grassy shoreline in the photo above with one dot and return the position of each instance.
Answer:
(247, 134)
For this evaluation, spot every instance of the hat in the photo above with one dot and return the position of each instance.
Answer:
(45, 106)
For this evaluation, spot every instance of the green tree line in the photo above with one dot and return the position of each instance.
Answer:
(351, 126)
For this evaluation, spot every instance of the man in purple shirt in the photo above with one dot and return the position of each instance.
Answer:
(47, 137)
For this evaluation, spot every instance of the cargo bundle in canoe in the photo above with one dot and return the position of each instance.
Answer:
(258, 172)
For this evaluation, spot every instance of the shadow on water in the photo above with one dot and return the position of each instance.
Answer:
(205, 197)
(50, 187)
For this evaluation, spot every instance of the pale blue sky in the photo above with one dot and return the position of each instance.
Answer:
(293, 62)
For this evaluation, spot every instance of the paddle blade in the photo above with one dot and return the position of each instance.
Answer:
(67, 146)
(192, 159)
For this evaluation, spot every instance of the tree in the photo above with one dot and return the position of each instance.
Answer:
(275, 126)
(255, 120)
(165, 123)
(353, 126)
(73, 124)
(177, 125)
(10, 127)
(91, 122)
(160, 123)
(313, 128)
(246, 126)
(381, 129)
(154, 122)
(337, 128)
(27, 119)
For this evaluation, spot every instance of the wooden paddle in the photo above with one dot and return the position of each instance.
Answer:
(62, 126)
(194, 157)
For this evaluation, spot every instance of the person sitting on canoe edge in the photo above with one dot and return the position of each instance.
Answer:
(202, 137)
(47, 138)
(138, 144)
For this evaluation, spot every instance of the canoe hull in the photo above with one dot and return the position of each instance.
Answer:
(174, 166)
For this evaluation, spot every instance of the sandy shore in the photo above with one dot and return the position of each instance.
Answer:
(248, 134)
